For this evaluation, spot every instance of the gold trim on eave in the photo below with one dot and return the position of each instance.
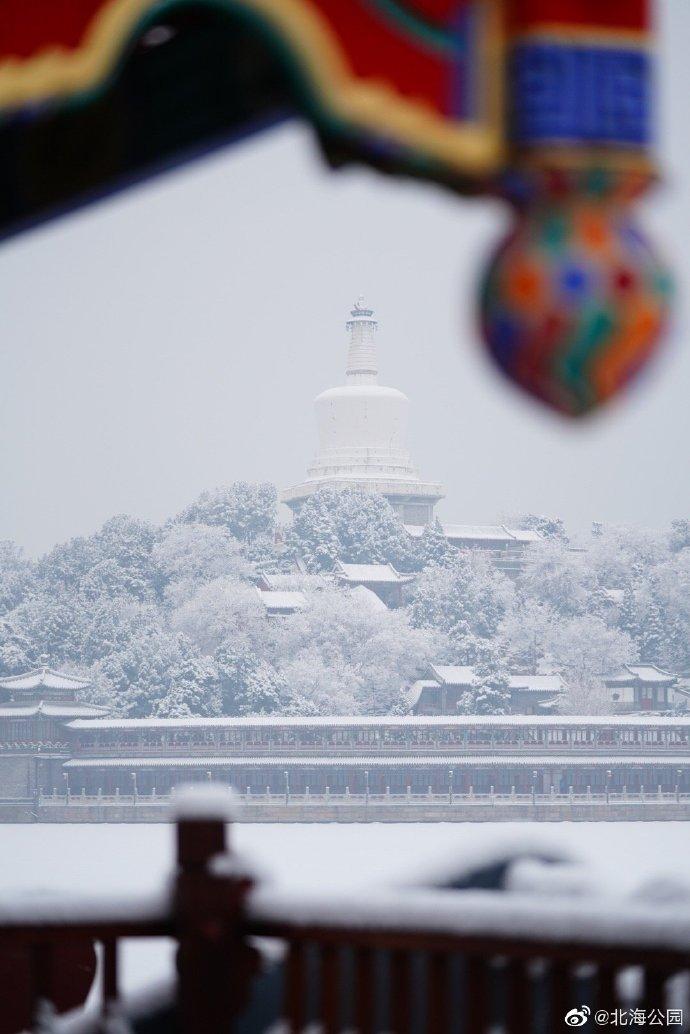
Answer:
(372, 106)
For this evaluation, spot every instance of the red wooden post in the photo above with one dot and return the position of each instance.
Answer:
(214, 965)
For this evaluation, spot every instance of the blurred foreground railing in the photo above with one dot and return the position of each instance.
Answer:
(427, 960)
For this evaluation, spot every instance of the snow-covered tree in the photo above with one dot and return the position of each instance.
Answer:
(523, 634)
(547, 527)
(155, 666)
(351, 526)
(117, 560)
(584, 650)
(15, 649)
(193, 688)
(249, 684)
(245, 509)
(342, 656)
(433, 548)
(557, 577)
(466, 599)
(490, 692)
(16, 576)
(679, 538)
(189, 555)
(221, 611)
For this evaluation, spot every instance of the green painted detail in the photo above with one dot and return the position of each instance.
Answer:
(573, 364)
(663, 283)
(434, 37)
(553, 230)
(598, 181)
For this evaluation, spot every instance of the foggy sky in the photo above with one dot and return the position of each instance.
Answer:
(173, 338)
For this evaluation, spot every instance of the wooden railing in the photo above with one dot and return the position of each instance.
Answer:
(427, 960)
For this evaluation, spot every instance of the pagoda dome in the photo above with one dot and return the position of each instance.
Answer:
(362, 433)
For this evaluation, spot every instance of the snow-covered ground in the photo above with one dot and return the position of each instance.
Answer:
(622, 856)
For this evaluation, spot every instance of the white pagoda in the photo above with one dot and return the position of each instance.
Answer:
(362, 428)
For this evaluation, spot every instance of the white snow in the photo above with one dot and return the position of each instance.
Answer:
(204, 801)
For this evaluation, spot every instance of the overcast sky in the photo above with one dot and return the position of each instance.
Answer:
(173, 338)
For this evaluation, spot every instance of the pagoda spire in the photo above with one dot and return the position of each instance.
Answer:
(362, 363)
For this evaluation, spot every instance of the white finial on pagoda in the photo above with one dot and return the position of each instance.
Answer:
(362, 364)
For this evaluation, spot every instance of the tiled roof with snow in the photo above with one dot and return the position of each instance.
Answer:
(650, 673)
(282, 601)
(537, 683)
(43, 678)
(295, 582)
(67, 711)
(479, 533)
(368, 598)
(381, 761)
(646, 721)
(523, 534)
(382, 574)
(643, 673)
(453, 674)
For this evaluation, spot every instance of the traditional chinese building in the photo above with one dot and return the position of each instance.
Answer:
(440, 692)
(381, 579)
(321, 755)
(645, 687)
(34, 710)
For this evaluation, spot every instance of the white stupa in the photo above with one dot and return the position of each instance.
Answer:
(362, 429)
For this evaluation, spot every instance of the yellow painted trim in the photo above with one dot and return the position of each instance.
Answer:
(576, 35)
(372, 106)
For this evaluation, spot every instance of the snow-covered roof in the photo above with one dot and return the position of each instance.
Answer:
(414, 691)
(380, 574)
(462, 675)
(383, 721)
(537, 683)
(488, 533)
(614, 595)
(382, 761)
(275, 601)
(368, 598)
(43, 678)
(52, 711)
(295, 582)
(523, 534)
(642, 673)
(453, 674)
(479, 533)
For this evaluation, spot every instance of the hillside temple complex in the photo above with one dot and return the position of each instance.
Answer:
(55, 744)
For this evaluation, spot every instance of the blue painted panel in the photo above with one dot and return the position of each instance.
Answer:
(579, 94)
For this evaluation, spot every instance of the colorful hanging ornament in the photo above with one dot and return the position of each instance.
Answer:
(573, 303)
